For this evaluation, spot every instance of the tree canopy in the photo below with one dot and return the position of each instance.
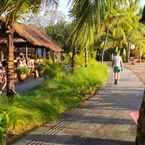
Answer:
(10, 10)
(89, 14)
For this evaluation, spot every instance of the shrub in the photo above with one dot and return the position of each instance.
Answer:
(63, 91)
(52, 70)
(40, 68)
(7, 119)
(22, 70)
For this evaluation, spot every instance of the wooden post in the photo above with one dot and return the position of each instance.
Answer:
(26, 51)
(102, 57)
(1, 54)
(10, 66)
(128, 53)
(33, 53)
(42, 52)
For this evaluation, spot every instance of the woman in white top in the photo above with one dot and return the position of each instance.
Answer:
(117, 65)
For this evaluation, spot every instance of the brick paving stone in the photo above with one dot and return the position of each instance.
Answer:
(102, 120)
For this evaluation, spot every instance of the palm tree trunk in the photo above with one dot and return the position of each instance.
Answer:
(127, 53)
(102, 57)
(10, 66)
(106, 39)
(140, 57)
(86, 57)
(73, 59)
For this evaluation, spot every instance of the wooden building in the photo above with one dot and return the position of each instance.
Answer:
(29, 40)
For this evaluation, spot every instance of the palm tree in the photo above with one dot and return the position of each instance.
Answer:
(10, 11)
(89, 14)
(118, 26)
(137, 38)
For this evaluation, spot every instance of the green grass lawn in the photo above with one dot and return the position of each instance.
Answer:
(48, 101)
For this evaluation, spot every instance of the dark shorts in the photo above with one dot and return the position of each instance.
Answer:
(117, 69)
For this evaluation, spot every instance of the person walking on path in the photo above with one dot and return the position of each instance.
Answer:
(117, 65)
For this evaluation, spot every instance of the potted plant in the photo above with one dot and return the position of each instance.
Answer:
(22, 72)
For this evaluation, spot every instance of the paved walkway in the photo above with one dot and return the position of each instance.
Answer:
(102, 120)
(138, 69)
(28, 84)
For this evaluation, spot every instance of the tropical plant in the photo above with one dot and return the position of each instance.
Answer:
(40, 68)
(90, 14)
(22, 70)
(52, 70)
(137, 38)
(118, 27)
(7, 119)
(60, 33)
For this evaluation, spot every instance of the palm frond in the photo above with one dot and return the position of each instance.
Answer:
(12, 9)
(89, 14)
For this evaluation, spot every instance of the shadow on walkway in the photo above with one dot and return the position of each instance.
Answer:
(97, 119)
(74, 140)
(104, 119)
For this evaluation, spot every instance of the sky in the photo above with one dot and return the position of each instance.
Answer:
(142, 2)
(64, 6)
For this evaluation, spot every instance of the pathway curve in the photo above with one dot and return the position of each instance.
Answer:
(28, 84)
(102, 120)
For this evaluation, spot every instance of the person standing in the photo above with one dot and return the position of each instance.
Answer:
(117, 65)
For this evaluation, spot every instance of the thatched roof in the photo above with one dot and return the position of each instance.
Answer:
(15, 40)
(34, 36)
